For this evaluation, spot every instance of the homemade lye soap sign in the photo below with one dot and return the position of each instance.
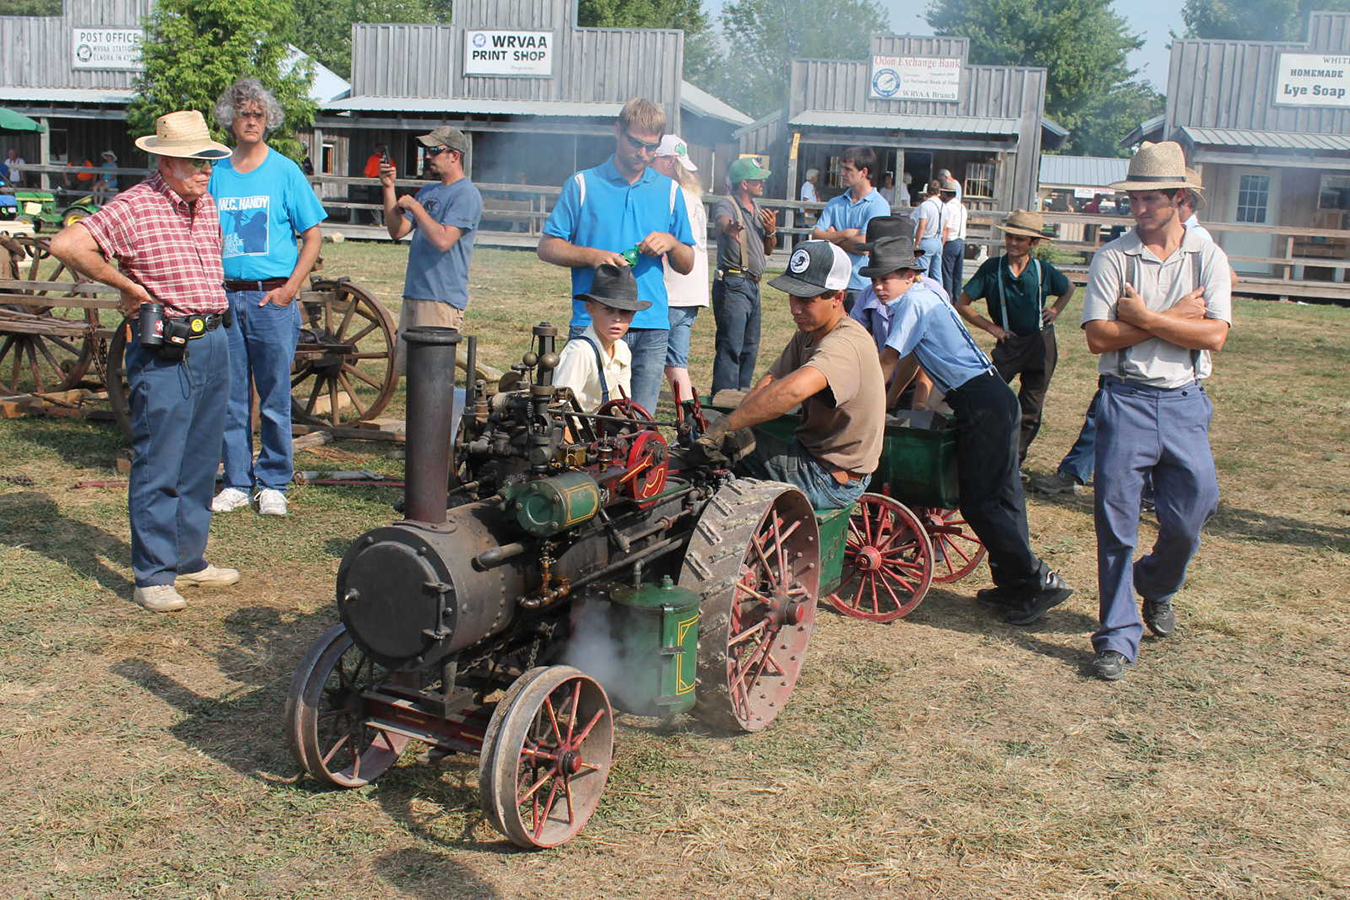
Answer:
(915, 78)
(508, 53)
(1307, 79)
(106, 48)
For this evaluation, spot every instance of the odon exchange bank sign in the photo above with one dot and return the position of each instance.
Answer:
(508, 53)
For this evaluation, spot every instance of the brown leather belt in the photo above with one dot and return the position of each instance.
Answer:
(843, 477)
(740, 273)
(267, 284)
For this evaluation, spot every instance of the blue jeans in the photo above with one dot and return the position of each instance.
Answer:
(735, 303)
(262, 347)
(931, 250)
(677, 344)
(953, 264)
(1144, 430)
(1081, 458)
(648, 346)
(792, 463)
(177, 419)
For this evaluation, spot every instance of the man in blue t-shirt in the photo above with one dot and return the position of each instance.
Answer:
(444, 217)
(264, 203)
(626, 214)
(843, 221)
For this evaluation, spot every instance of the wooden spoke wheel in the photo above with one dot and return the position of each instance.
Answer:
(957, 550)
(115, 380)
(546, 756)
(325, 714)
(344, 363)
(754, 559)
(45, 348)
(888, 561)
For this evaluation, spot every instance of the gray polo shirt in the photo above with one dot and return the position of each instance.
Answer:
(1161, 283)
(729, 248)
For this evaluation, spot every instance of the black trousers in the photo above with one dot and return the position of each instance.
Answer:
(1033, 357)
(986, 470)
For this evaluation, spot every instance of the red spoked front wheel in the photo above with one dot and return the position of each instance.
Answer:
(957, 550)
(888, 561)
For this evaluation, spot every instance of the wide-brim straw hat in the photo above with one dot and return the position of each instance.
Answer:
(1156, 167)
(1026, 223)
(182, 135)
(1197, 189)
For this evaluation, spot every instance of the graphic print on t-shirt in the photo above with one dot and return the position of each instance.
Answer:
(245, 223)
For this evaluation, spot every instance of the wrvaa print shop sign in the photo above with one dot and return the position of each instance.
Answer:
(508, 53)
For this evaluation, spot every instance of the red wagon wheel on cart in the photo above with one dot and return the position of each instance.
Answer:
(957, 551)
(45, 348)
(888, 561)
(754, 560)
(344, 362)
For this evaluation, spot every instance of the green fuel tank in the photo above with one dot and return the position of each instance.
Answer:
(546, 506)
(641, 644)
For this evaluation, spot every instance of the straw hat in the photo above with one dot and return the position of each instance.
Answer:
(108, 154)
(1155, 167)
(1022, 222)
(183, 135)
(1197, 198)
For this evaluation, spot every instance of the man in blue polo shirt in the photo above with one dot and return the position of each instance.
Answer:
(844, 219)
(625, 213)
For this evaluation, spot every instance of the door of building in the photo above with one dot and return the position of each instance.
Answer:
(1255, 197)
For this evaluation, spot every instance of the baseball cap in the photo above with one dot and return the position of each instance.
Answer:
(747, 168)
(814, 268)
(446, 136)
(674, 145)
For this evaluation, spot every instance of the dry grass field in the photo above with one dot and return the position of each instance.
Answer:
(946, 755)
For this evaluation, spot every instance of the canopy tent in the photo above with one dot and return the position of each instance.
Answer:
(11, 121)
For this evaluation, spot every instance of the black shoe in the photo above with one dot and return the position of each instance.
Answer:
(1110, 665)
(997, 596)
(1052, 592)
(1159, 617)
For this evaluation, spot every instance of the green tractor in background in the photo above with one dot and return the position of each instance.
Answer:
(40, 208)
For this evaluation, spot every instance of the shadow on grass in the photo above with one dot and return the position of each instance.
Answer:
(33, 520)
(420, 873)
(91, 446)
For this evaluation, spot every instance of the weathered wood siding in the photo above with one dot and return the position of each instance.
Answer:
(26, 42)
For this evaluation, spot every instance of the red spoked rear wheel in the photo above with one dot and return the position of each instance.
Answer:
(888, 561)
(957, 550)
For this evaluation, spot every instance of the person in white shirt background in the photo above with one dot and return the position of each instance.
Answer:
(685, 294)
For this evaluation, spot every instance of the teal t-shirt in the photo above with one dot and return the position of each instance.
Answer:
(261, 212)
(1025, 299)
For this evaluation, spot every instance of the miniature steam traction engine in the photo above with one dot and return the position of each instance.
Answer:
(551, 561)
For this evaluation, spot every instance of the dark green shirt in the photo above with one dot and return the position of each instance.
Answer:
(1025, 299)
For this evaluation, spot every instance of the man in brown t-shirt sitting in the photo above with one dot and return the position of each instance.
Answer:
(830, 367)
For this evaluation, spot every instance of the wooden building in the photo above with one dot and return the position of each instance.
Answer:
(1267, 124)
(922, 107)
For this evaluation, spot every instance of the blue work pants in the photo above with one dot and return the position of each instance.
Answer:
(735, 303)
(931, 250)
(262, 348)
(953, 264)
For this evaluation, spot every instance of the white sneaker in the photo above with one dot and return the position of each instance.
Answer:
(229, 500)
(159, 598)
(271, 502)
(208, 577)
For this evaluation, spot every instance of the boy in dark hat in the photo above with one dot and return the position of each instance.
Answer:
(596, 364)
(829, 367)
(869, 311)
(926, 331)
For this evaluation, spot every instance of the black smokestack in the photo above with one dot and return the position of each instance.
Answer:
(430, 428)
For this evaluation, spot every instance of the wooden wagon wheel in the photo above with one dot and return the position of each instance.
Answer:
(344, 364)
(754, 560)
(325, 714)
(38, 352)
(546, 756)
(888, 561)
(957, 550)
(115, 380)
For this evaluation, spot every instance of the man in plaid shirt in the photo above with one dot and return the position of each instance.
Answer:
(165, 236)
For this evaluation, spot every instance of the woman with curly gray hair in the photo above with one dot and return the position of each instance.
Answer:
(264, 203)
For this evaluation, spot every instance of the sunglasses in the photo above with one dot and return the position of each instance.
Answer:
(201, 165)
(436, 151)
(641, 145)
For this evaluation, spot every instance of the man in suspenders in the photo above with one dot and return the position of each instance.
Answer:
(1158, 302)
(1015, 287)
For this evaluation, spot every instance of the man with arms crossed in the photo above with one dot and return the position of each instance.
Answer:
(843, 221)
(625, 206)
(1158, 302)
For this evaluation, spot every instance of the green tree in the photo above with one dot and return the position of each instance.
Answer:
(325, 31)
(1083, 45)
(702, 56)
(194, 49)
(763, 37)
(1253, 20)
(30, 7)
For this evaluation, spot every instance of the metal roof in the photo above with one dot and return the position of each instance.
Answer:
(699, 101)
(952, 124)
(1082, 171)
(1149, 129)
(1267, 140)
(483, 107)
(120, 96)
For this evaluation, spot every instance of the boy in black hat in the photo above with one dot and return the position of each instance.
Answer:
(597, 365)
(925, 331)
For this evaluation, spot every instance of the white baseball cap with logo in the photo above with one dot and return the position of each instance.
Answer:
(814, 268)
(674, 145)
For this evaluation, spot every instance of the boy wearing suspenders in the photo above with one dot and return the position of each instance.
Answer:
(596, 364)
(1158, 302)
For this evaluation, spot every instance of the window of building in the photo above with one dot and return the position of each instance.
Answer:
(980, 180)
(1334, 192)
(328, 162)
(1253, 198)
